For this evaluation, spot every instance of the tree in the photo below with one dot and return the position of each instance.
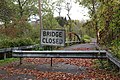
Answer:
(25, 8)
(48, 19)
(68, 7)
(92, 5)
(62, 21)
(15, 10)
(59, 5)
(6, 12)
(108, 21)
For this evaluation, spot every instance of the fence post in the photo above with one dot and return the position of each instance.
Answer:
(4, 55)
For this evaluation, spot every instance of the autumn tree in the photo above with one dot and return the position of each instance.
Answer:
(6, 12)
(108, 20)
(62, 21)
(59, 6)
(49, 22)
(92, 5)
(105, 18)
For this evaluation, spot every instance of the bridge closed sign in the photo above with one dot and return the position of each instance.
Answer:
(53, 37)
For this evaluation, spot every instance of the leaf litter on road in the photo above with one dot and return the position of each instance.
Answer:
(86, 65)
(90, 73)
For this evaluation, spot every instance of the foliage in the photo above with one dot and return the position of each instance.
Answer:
(22, 42)
(86, 38)
(116, 48)
(10, 31)
(108, 15)
(109, 27)
(50, 22)
(13, 10)
(87, 28)
(6, 12)
(15, 14)
(16, 42)
(19, 27)
(99, 64)
(4, 41)
(34, 34)
(59, 5)
(25, 8)
(92, 6)
(105, 18)
(62, 21)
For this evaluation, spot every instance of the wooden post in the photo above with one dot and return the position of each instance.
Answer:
(40, 15)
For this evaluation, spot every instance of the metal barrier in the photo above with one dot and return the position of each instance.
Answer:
(113, 59)
(7, 50)
(60, 54)
(91, 54)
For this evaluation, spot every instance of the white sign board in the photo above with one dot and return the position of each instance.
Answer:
(53, 37)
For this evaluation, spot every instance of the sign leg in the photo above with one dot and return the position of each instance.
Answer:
(51, 62)
(20, 60)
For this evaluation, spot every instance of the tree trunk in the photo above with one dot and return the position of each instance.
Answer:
(21, 9)
(94, 19)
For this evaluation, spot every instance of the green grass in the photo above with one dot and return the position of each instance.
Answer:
(8, 60)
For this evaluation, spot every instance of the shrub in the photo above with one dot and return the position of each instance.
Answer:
(21, 42)
(116, 48)
(16, 42)
(86, 38)
(4, 41)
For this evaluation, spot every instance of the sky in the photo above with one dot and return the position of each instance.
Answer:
(77, 12)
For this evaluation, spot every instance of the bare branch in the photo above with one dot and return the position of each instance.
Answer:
(24, 3)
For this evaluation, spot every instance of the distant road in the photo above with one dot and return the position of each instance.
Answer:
(86, 46)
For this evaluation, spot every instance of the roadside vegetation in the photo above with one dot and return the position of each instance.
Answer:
(8, 61)
(105, 22)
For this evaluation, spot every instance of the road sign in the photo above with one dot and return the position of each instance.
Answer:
(53, 37)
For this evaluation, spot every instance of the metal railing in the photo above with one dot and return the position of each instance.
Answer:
(113, 59)
(92, 54)
(4, 51)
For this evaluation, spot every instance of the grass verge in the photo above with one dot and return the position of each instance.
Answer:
(8, 60)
